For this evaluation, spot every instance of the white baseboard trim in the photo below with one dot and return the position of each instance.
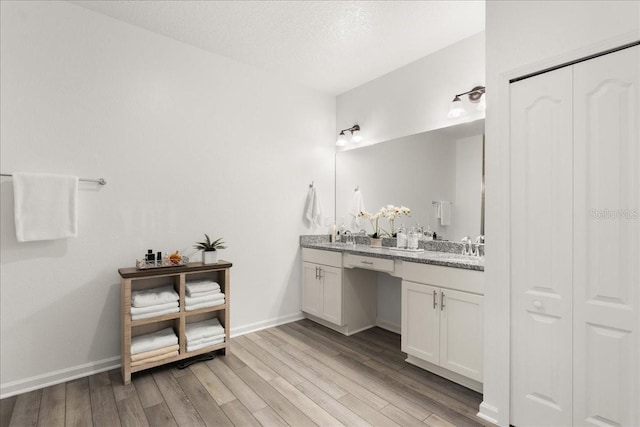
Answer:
(488, 413)
(258, 326)
(389, 326)
(68, 374)
(56, 377)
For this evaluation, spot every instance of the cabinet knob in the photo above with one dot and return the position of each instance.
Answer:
(537, 304)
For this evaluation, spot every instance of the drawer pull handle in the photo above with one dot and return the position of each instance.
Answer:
(435, 300)
(367, 262)
(442, 301)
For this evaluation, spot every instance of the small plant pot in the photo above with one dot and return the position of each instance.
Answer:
(209, 257)
(376, 243)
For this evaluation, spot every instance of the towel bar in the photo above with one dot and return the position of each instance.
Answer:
(100, 181)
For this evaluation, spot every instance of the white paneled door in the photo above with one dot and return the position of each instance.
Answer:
(575, 244)
(606, 273)
(541, 244)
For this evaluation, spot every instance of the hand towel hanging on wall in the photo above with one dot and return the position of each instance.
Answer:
(357, 206)
(46, 206)
(313, 209)
(445, 213)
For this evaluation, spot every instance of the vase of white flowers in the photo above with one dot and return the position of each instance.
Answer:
(391, 212)
(374, 220)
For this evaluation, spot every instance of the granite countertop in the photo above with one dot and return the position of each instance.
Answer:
(446, 259)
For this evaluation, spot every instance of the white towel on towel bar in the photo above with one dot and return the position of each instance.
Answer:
(357, 206)
(45, 206)
(313, 209)
(445, 213)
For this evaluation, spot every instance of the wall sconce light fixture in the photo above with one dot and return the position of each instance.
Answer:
(342, 138)
(457, 109)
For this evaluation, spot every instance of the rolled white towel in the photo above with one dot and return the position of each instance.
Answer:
(212, 303)
(154, 296)
(153, 308)
(155, 313)
(162, 338)
(204, 344)
(196, 286)
(201, 329)
(206, 298)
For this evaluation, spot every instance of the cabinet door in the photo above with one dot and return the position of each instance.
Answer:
(331, 278)
(541, 243)
(461, 333)
(607, 236)
(420, 321)
(311, 289)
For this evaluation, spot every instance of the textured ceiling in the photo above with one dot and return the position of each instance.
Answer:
(331, 46)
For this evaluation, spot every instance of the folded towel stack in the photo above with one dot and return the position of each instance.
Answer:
(204, 334)
(201, 294)
(154, 302)
(153, 347)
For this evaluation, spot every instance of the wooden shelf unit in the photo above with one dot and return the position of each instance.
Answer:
(134, 279)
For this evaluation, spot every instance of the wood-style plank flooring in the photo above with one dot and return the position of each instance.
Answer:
(299, 374)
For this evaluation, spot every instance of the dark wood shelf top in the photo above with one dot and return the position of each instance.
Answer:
(133, 272)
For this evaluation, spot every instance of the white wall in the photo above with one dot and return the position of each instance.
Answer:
(189, 142)
(523, 37)
(416, 97)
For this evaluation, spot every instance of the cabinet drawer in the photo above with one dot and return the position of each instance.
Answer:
(445, 277)
(369, 263)
(318, 256)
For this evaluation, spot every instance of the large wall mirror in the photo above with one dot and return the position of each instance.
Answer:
(416, 171)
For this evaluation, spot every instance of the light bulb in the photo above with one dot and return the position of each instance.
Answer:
(482, 105)
(355, 138)
(456, 109)
(342, 140)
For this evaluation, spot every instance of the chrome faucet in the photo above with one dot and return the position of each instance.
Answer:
(467, 249)
(479, 246)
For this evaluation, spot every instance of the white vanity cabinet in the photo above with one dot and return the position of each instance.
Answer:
(322, 285)
(341, 299)
(442, 312)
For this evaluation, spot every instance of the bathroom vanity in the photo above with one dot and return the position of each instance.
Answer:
(442, 301)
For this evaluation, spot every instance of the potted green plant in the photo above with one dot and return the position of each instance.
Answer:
(210, 249)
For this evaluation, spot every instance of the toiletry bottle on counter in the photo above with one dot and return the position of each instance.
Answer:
(332, 232)
(401, 238)
(412, 239)
(428, 234)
